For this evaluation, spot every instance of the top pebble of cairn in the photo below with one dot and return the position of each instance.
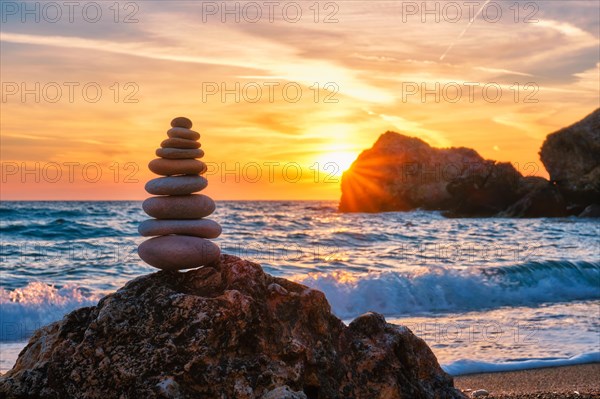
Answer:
(181, 121)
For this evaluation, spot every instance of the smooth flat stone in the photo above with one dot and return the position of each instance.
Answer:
(179, 143)
(183, 133)
(178, 252)
(194, 206)
(169, 167)
(177, 153)
(176, 185)
(204, 228)
(181, 121)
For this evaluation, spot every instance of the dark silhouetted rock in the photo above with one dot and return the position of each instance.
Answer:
(539, 198)
(591, 211)
(572, 158)
(401, 173)
(227, 330)
(485, 192)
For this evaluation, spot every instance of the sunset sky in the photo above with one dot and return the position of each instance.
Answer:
(171, 57)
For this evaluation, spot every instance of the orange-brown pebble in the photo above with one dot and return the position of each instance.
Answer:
(176, 185)
(194, 206)
(182, 133)
(179, 143)
(178, 252)
(170, 167)
(204, 228)
(181, 121)
(177, 153)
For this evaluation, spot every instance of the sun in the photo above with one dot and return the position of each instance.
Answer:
(336, 162)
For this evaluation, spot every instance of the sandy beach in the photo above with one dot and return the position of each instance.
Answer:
(580, 381)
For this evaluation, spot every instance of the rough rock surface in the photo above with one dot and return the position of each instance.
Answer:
(486, 190)
(401, 173)
(538, 198)
(572, 158)
(591, 211)
(227, 330)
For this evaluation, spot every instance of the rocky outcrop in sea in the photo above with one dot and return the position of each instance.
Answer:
(572, 158)
(227, 330)
(402, 173)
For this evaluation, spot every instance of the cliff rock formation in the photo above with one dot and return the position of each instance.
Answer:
(401, 173)
(572, 158)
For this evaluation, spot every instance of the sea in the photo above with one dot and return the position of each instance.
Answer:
(487, 294)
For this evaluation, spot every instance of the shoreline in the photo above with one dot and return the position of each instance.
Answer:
(572, 381)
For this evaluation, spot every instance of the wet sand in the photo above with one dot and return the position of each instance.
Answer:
(580, 381)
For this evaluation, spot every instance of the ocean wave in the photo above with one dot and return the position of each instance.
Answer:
(464, 366)
(23, 310)
(58, 229)
(358, 236)
(28, 210)
(394, 293)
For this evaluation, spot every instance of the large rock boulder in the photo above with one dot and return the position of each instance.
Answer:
(572, 158)
(591, 211)
(537, 198)
(223, 331)
(401, 173)
(485, 192)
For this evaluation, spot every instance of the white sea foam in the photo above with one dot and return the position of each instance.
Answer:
(23, 310)
(463, 366)
(452, 290)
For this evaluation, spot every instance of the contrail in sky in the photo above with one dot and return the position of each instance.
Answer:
(464, 31)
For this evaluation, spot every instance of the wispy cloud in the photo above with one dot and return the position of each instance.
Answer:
(132, 49)
(286, 66)
(502, 71)
(411, 128)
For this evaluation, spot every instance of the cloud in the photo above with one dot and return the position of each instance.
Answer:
(132, 49)
(413, 128)
(589, 79)
(502, 71)
(286, 65)
(568, 30)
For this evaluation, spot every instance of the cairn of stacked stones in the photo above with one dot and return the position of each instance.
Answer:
(179, 227)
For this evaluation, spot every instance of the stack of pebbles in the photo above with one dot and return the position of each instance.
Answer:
(179, 229)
